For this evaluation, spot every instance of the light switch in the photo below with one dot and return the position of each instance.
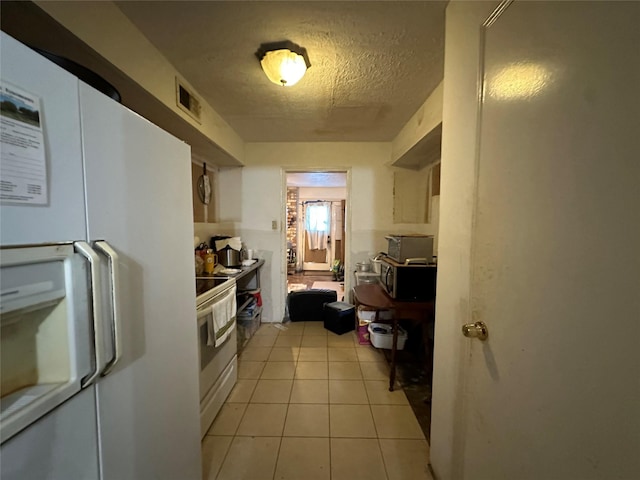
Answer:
(274, 224)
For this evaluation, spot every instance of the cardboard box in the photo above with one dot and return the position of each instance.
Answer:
(363, 335)
(366, 315)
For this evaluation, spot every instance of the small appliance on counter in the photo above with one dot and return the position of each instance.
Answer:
(229, 257)
(410, 247)
(228, 250)
(412, 282)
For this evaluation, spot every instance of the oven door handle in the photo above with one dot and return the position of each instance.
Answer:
(416, 261)
(386, 280)
(201, 313)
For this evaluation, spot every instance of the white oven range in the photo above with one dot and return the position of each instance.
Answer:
(217, 345)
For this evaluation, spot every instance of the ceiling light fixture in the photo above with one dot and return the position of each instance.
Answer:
(284, 63)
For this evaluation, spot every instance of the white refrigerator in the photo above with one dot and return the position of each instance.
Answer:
(117, 216)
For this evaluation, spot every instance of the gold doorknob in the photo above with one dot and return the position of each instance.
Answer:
(475, 330)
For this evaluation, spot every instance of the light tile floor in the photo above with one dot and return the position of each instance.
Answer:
(313, 405)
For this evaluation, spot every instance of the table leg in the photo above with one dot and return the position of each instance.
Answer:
(394, 347)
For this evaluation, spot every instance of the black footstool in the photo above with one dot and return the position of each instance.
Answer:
(339, 317)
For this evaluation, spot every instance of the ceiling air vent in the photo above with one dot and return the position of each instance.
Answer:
(187, 101)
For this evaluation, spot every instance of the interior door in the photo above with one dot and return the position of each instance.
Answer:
(553, 393)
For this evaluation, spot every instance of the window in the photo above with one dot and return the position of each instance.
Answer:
(317, 218)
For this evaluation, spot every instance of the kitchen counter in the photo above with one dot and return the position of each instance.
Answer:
(210, 284)
(247, 270)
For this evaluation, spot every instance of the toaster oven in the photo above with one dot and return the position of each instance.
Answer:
(404, 247)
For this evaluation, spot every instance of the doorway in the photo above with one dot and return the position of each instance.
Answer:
(316, 236)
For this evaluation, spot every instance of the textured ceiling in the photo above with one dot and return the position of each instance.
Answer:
(317, 179)
(373, 64)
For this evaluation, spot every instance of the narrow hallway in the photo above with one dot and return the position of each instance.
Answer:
(311, 404)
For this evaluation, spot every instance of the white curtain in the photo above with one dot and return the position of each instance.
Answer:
(317, 217)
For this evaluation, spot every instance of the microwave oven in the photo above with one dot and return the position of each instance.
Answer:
(408, 282)
(404, 247)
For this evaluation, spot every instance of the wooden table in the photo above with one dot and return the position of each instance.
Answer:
(374, 296)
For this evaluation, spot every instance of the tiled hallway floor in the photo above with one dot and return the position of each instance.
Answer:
(310, 405)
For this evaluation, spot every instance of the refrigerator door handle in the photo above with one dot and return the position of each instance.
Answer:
(116, 329)
(86, 251)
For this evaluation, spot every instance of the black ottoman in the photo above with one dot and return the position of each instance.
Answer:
(306, 305)
(339, 317)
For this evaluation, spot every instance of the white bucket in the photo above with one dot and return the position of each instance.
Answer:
(376, 265)
(381, 336)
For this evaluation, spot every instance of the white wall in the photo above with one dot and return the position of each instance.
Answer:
(262, 195)
(457, 192)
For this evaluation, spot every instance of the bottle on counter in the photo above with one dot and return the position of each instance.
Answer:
(199, 264)
(210, 260)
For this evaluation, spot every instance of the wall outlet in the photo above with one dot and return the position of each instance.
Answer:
(274, 224)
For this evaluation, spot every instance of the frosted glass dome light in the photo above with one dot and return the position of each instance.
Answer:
(284, 66)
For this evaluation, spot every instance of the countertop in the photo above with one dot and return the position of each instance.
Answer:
(210, 284)
(243, 271)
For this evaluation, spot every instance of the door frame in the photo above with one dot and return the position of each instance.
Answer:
(346, 220)
(458, 186)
